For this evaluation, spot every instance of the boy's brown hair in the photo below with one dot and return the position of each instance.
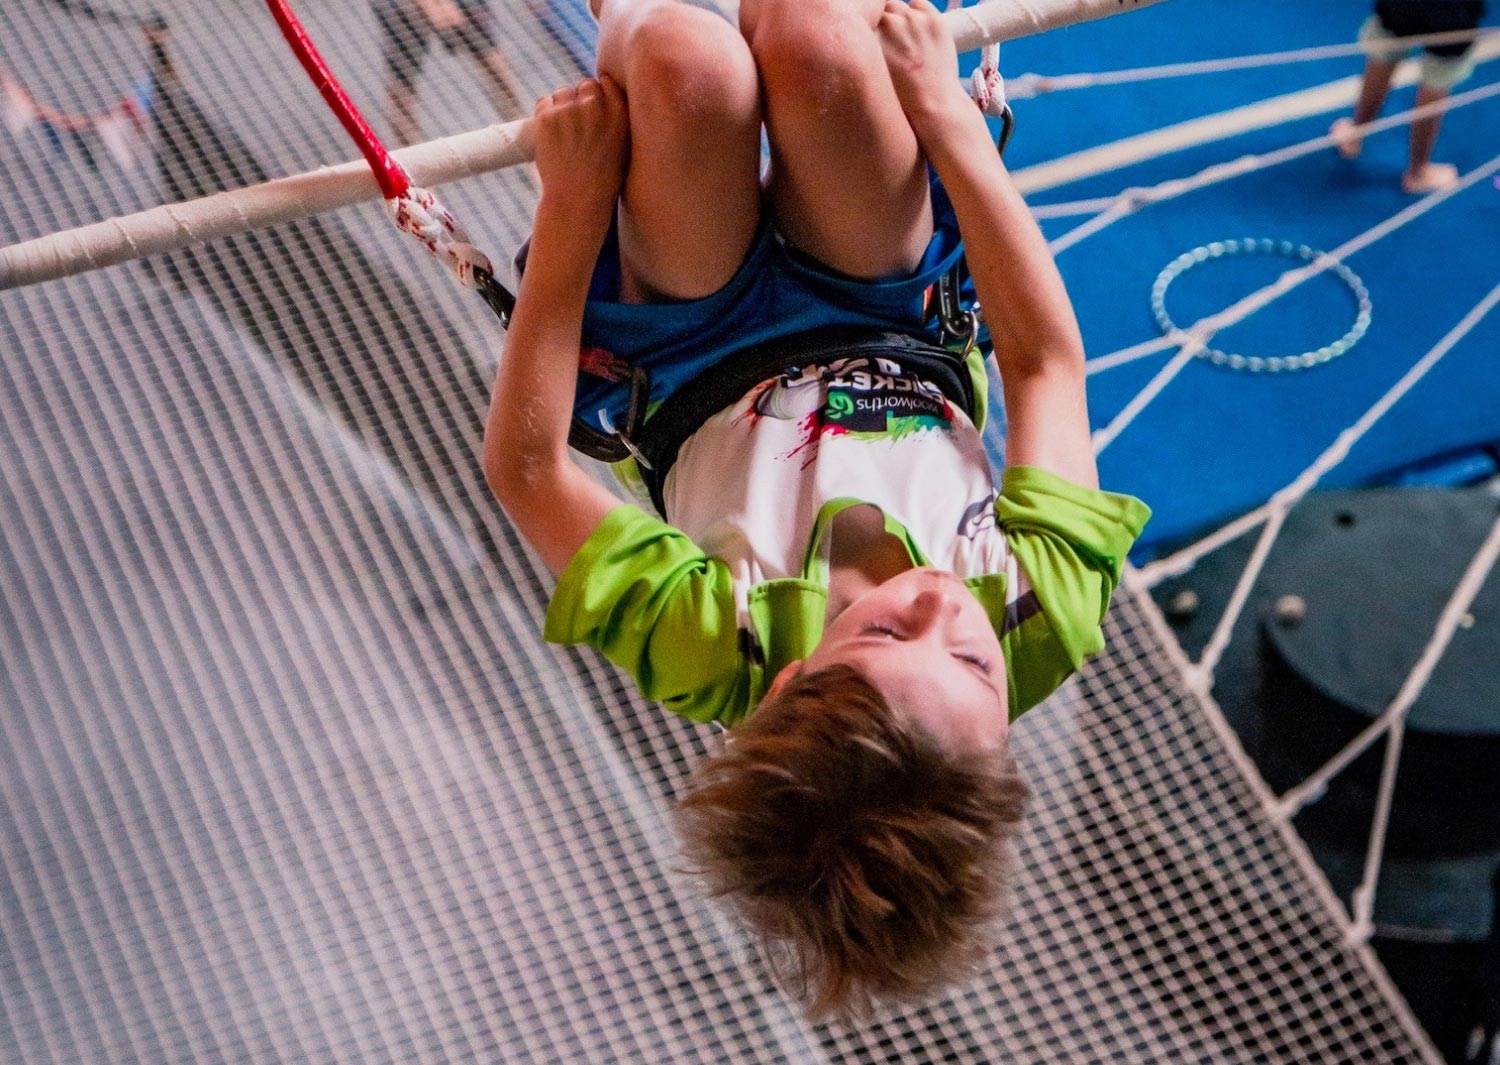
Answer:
(871, 862)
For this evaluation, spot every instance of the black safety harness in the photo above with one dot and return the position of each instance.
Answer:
(656, 448)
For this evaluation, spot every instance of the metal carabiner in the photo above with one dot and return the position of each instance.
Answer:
(956, 322)
(625, 441)
(1007, 127)
(972, 339)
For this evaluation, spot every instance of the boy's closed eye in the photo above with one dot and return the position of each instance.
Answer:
(926, 643)
(983, 663)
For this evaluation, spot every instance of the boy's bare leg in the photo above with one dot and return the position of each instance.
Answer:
(1373, 89)
(691, 203)
(1422, 174)
(848, 182)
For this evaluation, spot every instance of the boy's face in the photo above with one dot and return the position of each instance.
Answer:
(926, 644)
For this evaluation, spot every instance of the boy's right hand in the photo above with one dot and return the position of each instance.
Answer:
(581, 134)
(923, 63)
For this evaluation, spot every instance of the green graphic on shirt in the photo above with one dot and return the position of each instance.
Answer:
(911, 424)
(884, 405)
(897, 428)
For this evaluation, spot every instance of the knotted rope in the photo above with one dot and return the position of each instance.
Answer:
(414, 210)
(418, 212)
(987, 86)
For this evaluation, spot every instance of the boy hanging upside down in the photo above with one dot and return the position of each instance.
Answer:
(840, 583)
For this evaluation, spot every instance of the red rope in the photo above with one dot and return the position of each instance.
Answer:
(388, 173)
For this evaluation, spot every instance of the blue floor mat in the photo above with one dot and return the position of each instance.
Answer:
(1218, 442)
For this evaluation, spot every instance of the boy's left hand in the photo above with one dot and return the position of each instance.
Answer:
(923, 63)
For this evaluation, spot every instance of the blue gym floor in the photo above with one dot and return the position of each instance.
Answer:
(1218, 442)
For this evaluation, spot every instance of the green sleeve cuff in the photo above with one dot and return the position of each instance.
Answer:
(647, 597)
(1101, 525)
(567, 616)
(1071, 542)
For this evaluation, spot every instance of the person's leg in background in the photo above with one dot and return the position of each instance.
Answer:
(1443, 68)
(478, 34)
(403, 46)
(1375, 85)
(1422, 174)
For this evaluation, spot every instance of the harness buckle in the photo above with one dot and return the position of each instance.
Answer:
(613, 443)
(625, 441)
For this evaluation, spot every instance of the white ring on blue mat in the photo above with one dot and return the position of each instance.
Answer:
(1262, 363)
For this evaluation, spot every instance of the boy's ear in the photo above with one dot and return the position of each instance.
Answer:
(788, 671)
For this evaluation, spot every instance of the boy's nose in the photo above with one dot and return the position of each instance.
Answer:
(934, 604)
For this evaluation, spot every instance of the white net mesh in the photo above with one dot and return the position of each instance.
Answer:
(286, 773)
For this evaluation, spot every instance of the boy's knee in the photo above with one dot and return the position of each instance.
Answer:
(690, 64)
(807, 17)
(802, 56)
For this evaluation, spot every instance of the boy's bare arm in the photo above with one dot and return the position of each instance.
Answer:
(580, 153)
(1037, 343)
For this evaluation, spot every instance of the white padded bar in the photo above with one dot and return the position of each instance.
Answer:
(179, 225)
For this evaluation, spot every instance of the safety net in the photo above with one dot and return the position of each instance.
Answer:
(286, 771)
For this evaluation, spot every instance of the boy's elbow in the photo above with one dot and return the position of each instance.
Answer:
(513, 468)
(498, 478)
(514, 483)
(1055, 364)
(1058, 354)
(1066, 362)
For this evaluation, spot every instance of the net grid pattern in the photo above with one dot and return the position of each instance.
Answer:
(286, 772)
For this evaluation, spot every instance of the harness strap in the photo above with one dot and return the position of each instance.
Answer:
(959, 325)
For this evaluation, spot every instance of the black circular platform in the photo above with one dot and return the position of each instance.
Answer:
(1369, 572)
(1348, 599)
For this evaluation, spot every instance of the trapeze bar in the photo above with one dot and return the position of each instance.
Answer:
(437, 162)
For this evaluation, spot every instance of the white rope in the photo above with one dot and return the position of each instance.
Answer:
(1313, 788)
(419, 213)
(1276, 111)
(1179, 562)
(1198, 335)
(1200, 674)
(1362, 910)
(986, 85)
(1073, 208)
(1131, 200)
(1116, 209)
(1463, 597)
(1142, 399)
(1282, 502)
(1031, 84)
(435, 163)
(1130, 354)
